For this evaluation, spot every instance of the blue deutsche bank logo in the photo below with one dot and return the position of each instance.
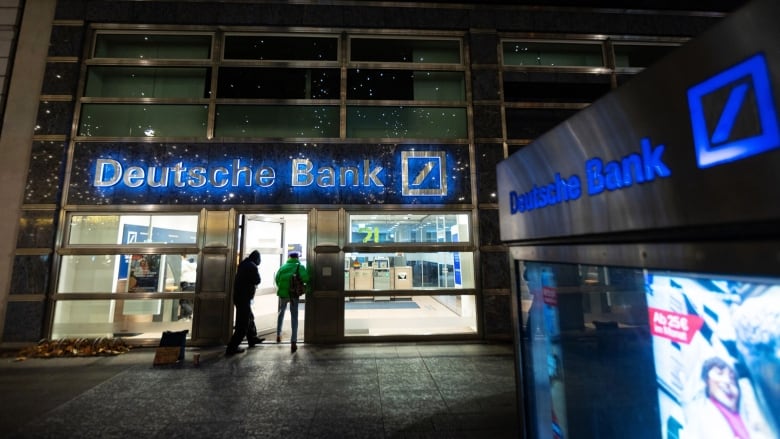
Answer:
(424, 173)
(747, 93)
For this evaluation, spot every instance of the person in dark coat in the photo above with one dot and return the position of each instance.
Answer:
(246, 281)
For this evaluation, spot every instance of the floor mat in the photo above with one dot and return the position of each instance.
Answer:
(406, 304)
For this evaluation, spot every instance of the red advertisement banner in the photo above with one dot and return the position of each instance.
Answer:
(674, 326)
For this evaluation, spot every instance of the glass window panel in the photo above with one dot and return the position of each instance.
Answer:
(576, 317)
(148, 82)
(128, 273)
(277, 121)
(527, 53)
(404, 50)
(133, 229)
(152, 46)
(399, 122)
(409, 228)
(278, 83)
(411, 315)
(408, 271)
(129, 319)
(639, 55)
(143, 120)
(531, 123)
(281, 48)
(554, 87)
(405, 85)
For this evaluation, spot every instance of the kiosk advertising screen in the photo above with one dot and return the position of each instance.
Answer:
(613, 352)
(716, 344)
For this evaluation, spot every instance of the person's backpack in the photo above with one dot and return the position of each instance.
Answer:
(297, 287)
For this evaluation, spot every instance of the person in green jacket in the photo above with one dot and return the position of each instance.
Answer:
(282, 278)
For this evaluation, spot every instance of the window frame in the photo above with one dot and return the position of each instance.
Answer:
(411, 248)
(111, 298)
(217, 60)
(615, 75)
(137, 31)
(671, 43)
(356, 104)
(114, 248)
(563, 40)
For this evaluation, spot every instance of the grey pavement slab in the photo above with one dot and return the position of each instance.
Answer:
(410, 390)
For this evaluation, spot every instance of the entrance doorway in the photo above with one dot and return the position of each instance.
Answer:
(274, 236)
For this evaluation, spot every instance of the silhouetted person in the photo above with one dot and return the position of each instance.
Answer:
(247, 280)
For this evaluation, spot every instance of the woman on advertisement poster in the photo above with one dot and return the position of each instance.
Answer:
(720, 412)
(144, 273)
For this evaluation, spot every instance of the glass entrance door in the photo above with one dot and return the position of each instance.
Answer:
(273, 235)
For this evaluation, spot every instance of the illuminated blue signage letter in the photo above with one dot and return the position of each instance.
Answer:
(218, 177)
(634, 168)
(178, 170)
(265, 176)
(653, 163)
(301, 172)
(134, 176)
(237, 171)
(197, 176)
(372, 176)
(107, 173)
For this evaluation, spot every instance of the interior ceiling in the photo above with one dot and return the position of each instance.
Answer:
(390, 218)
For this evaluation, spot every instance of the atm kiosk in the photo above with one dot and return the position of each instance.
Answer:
(644, 241)
(382, 279)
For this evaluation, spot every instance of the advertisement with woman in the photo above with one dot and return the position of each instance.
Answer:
(716, 344)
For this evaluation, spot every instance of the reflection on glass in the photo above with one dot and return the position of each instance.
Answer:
(146, 46)
(408, 271)
(277, 121)
(586, 351)
(377, 84)
(277, 83)
(133, 229)
(410, 122)
(417, 315)
(120, 318)
(128, 273)
(139, 120)
(553, 54)
(147, 82)
(409, 227)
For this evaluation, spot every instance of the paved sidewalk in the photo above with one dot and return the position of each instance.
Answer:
(413, 390)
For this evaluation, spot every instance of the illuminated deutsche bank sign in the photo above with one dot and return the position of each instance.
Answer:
(748, 92)
(109, 172)
(207, 173)
(740, 93)
(424, 173)
(692, 141)
(600, 177)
